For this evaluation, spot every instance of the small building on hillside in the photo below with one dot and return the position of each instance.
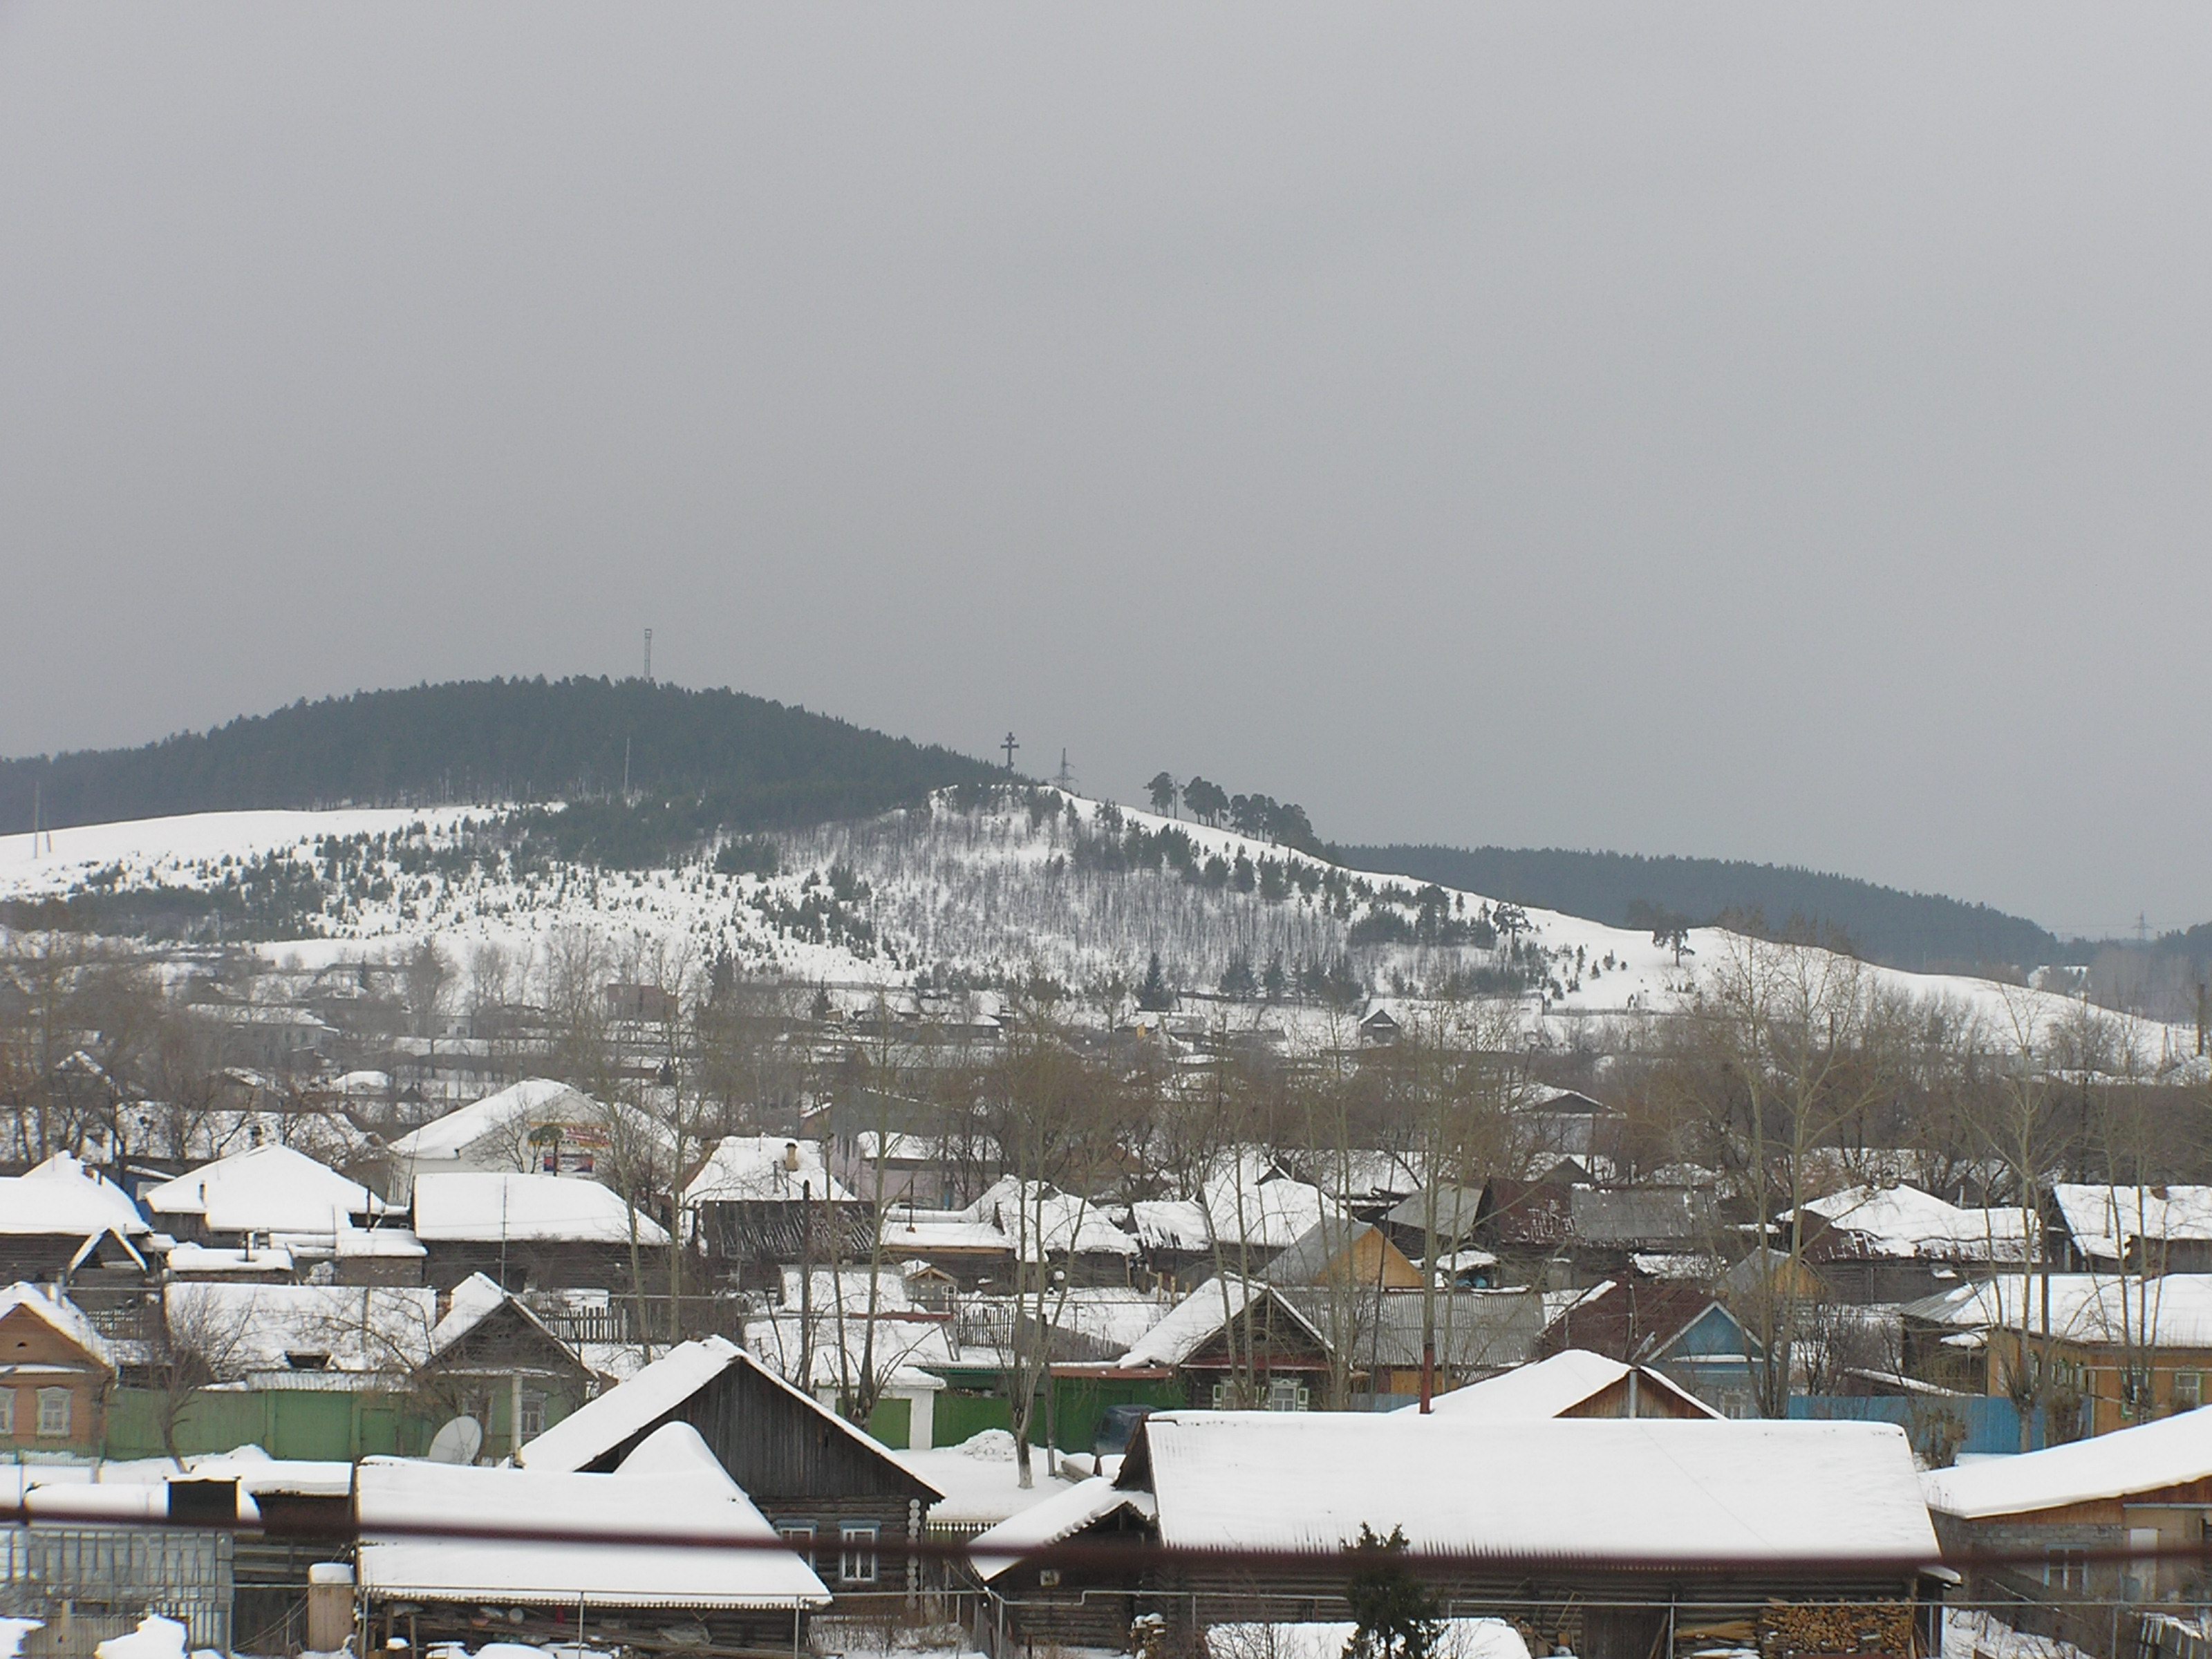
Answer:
(534, 1232)
(419, 1590)
(1573, 1382)
(829, 1488)
(2071, 1508)
(55, 1374)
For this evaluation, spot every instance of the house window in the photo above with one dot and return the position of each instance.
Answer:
(2134, 1389)
(1286, 1394)
(7, 1411)
(53, 1414)
(856, 1554)
(2188, 1390)
(530, 1420)
(2066, 1569)
(1221, 1396)
(799, 1535)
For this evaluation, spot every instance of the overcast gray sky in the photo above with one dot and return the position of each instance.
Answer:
(1757, 430)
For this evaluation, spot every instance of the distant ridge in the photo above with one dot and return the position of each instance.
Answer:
(738, 760)
(1922, 931)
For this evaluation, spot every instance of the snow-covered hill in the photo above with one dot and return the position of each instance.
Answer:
(995, 889)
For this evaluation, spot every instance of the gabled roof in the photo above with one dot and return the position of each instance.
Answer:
(2104, 1220)
(670, 1484)
(534, 1100)
(1474, 1330)
(483, 1208)
(2169, 1310)
(599, 1425)
(1636, 1320)
(1641, 1215)
(1202, 1315)
(1824, 1495)
(764, 1169)
(1053, 1521)
(2171, 1452)
(1903, 1223)
(1552, 1387)
(61, 1197)
(1313, 1257)
(61, 1316)
(269, 1189)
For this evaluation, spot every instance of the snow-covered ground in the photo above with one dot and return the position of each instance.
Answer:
(980, 1480)
(993, 893)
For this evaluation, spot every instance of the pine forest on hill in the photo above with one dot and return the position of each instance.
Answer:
(1922, 931)
(695, 762)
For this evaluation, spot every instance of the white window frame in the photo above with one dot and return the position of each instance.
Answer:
(56, 1407)
(529, 1415)
(1287, 1394)
(856, 1552)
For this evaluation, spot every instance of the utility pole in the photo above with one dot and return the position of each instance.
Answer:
(1010, 745)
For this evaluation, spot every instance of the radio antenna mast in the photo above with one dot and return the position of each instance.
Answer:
(648, 656)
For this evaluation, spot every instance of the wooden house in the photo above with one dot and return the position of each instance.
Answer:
(62, 1224)
(1574, 1382)
(1675, 1328)
(56, 1376)
(1345, 1254)
(2073, 1509)
(533, 1232)
(760, 1203)
(1701, 1525)
(1235, 1342)
(494, 1359)
(826, 1486)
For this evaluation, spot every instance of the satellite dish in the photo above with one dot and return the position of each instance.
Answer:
(458, 1442)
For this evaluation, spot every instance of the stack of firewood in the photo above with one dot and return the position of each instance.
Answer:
(1799, 1630)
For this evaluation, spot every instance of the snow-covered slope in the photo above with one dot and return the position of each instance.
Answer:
(1027, 881)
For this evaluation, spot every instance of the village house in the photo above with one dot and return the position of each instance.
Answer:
(1573, 1382)
(258, 1193)
(534, 1232)
(2112, 1228)
(1671, 1326)
(1701, 1525)
(2071, 1508)
(1887, 1244)
(2121, 1350)
(420, 1590)
(56, 1375)
(761, 1201)
(830, 1489)
(1236, 1342)
(1345, 1254)
(537, 1125)
(62, 1224)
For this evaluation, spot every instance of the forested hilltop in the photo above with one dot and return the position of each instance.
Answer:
(695, 759)
(1922, 931)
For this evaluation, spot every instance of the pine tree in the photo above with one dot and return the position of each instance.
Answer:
(1153, 995)
(1395, 1614)
(1161, 791)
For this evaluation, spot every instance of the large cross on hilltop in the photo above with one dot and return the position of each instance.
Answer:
(1010, 745)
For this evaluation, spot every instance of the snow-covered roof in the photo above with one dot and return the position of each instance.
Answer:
(1777, 1492)
(1462, 1638)
(220, 1259)
(373, 1329)
(62, 1196)
(907, 1230)
(1187, 1326)
(60, 1315)
(479, 1208)
(2169, 1452)
(840, 1353)
(267, 1189)
(1551, 1388)
(764, 1169)
(1030, 1214)
(2173, 1310)
(510, 1113)
(600, 1424)
(1905, 1223)
(1056, 1519)
(2103, 1219)
(669, 1486)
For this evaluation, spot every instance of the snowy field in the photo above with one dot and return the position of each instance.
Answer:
(994, 894)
